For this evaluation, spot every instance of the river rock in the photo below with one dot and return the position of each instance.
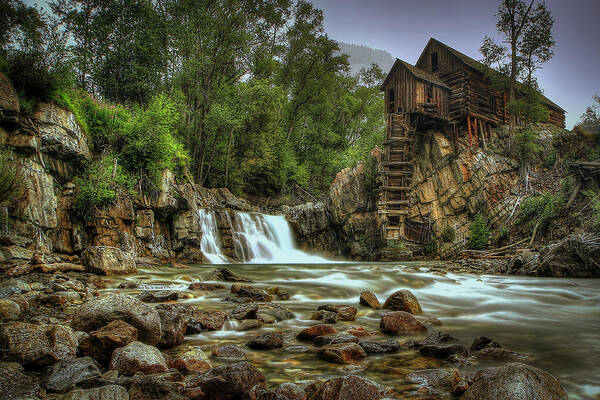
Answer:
(228, 382)
(267, 341)
(13, 286)
(205, 286)
(9, 310)
(273, 311)
(196, 319)
(15, 384)
(138, 357)
(152, 296)
(344, 313)
(65, 375)
(349, 387)
(316, 330)
(245, 311)
(334, 339)
(403, 300)
(444, 380)
(258, 392)
(39, 345)
(249, 324)
(97, 313)
(108, 260)
(514, 381)
(229, 352)
(254, 294)
(443, 351)
(108, 392)
(291, 391)
(390, 346)
(193, 360)
(223, 274)
(400, 322)
(173, 327)
(328, 317)
(342, 353)
(485, 348)
(434, 338)
(369, 299)
(101, 343)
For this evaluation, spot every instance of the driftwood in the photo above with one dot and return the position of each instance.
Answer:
(495, 253)
(27, 268)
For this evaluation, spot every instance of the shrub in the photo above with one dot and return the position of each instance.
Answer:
(479, 233)
(101, 185)
(448, 234)
(430, 247)
(370, 171)
(538, 210)
(502, 236)
(12, 181)
(526, 144)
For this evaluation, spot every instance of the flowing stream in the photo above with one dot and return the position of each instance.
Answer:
(556, 321)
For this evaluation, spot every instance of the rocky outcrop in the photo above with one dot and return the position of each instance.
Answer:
(106, 260)
(9, 101)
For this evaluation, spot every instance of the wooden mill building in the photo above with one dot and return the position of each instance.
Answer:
(446, 89)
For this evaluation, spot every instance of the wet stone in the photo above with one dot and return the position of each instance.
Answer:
(328, 317)
(369, 299)
(400, 322)
(196, 319)
(291, 391)
(267, 341)
(249, 324)
(138, 357)
(15, 384)
(206, 286)
(245, 311)
(316, 330)
(223, 274)
(443, 351)
(390, 346)
(192, 360)
(65, 375)
(101, 343)
(229, 352)
(158, 296)
(342, 353)
(403, 300)
(334, 339)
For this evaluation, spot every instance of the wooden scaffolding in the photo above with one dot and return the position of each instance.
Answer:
(396, 174)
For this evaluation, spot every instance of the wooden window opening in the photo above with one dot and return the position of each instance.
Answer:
(391, 101)
(493, 107)
(429, 93)
(434, 62)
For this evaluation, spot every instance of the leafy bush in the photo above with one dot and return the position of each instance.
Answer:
(539, 210)
(430, 247)
(526, 144)
(101, 185)
(448, 234)
(550, 159)
(480, 233)
(502, 236)
(12, 181)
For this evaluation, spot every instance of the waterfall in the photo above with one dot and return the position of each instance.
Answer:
(266, 239)
(210, 245)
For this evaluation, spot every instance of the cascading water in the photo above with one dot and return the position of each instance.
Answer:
(267, 239)
(210, 245)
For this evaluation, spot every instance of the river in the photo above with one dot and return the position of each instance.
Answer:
(555, 321)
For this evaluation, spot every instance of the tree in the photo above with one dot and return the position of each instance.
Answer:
(527, 32)
(590, 119)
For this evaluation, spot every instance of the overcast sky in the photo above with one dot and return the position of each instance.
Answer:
(403, 27)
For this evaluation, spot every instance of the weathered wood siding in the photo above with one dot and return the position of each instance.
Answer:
(410, 93)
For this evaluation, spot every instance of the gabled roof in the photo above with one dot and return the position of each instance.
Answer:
(426, 76)
(477, 66)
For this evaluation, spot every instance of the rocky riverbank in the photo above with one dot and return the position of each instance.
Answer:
(81, 336)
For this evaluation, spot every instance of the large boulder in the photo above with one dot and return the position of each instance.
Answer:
(39, 345)
(101, 343)
(349, 387)
(307, 219)
(267, 341)
(66, 374)
(60, 133)
(138, 357)
(196, 319)
(316, 330)
(514, 381)
(400, 322)
(173, 326)
(15, 384)
(347, 194)
(108, 260)
(97, 313)
(368, 298)
(403, 300)
(229, 382)
(9, 101)
(192, 360)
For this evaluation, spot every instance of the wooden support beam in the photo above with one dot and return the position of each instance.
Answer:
(476, 140)
(469, 128)
(396, 188)
(483, 129)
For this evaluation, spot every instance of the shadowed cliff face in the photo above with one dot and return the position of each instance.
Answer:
(447, 190)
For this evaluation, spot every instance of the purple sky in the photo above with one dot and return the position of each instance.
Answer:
(403, 27)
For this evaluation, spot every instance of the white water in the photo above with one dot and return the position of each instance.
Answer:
(257, 238)
(267, 239)
(210, 244)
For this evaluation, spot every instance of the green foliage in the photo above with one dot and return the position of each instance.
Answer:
(566, 188)
(550, 159)
(371, 245)
(371, 185)
(594, 198)
(12, 181)
(448, 234)
(101, 185)
(480, 233)
(430, 247)
(539, 210)
(502, 236)
(530, 108)
(526, 144)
